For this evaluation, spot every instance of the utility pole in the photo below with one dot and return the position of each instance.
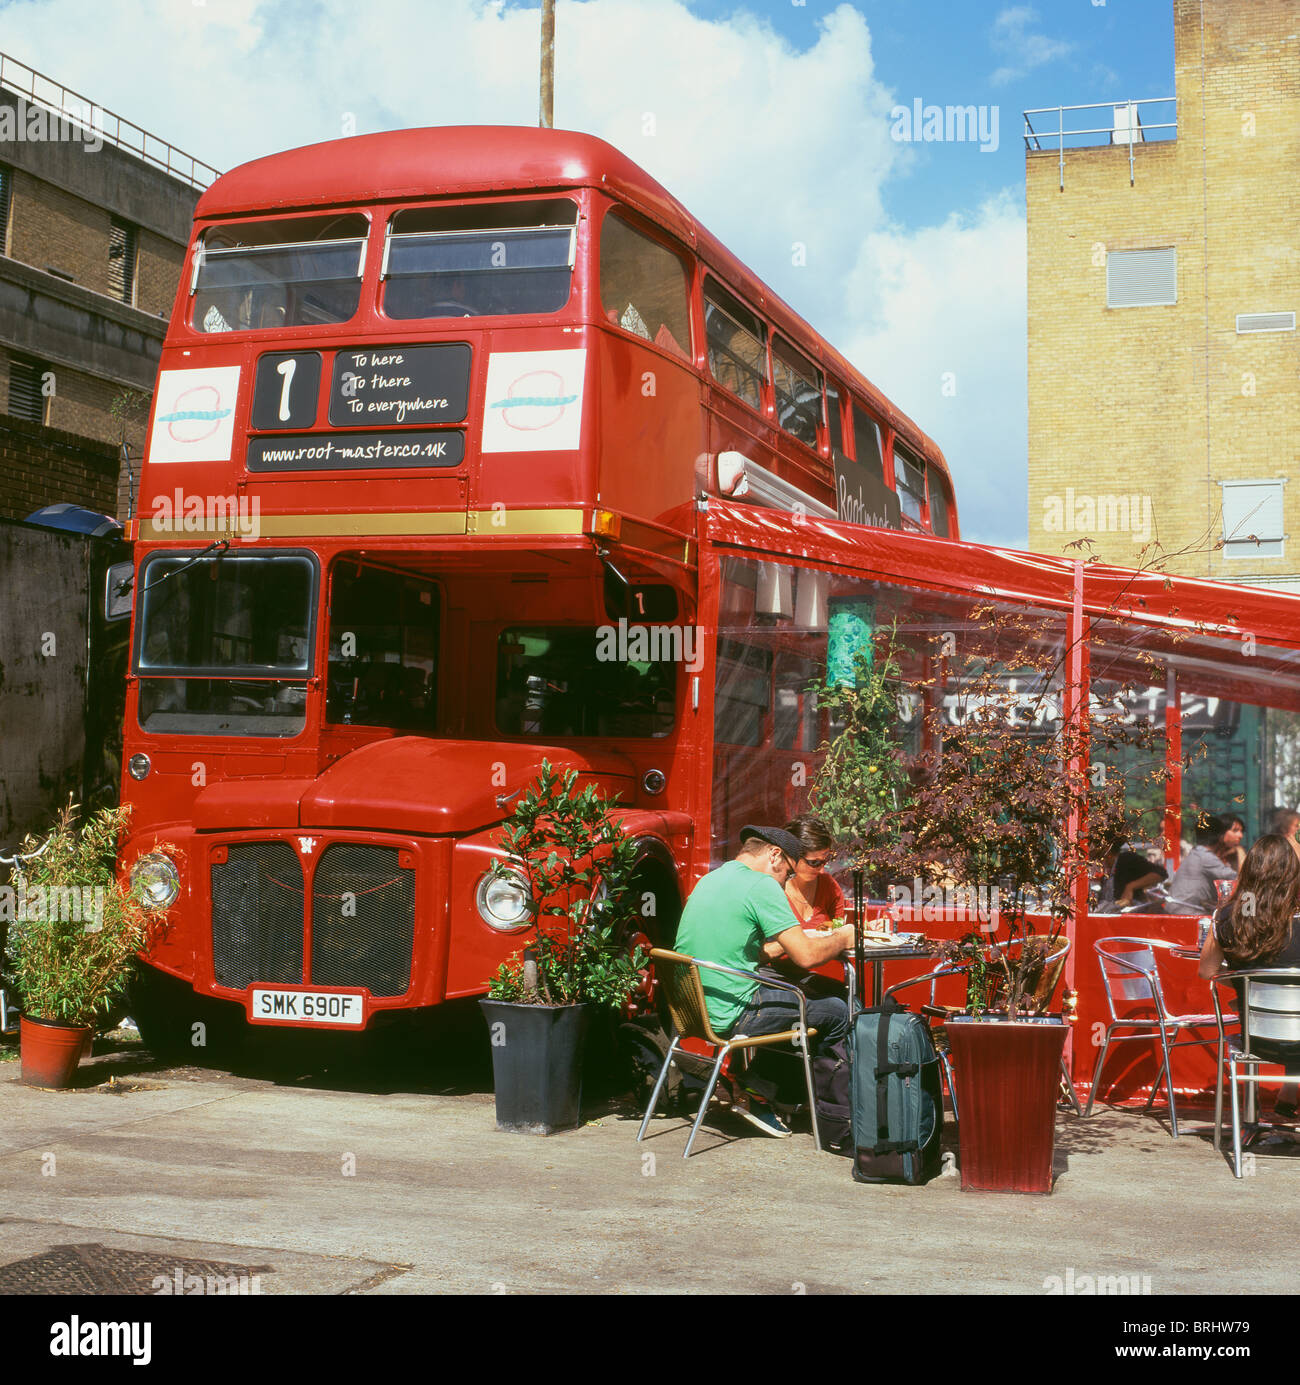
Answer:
(547, 120)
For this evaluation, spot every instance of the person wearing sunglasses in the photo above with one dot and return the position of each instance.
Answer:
(814, 896)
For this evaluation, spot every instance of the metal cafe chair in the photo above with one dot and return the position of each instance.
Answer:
(1038, 1001)
(684, 992)
(1131, 976)
(1270, 1034)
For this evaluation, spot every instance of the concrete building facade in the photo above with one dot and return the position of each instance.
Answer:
(92, 239)
(1164, 282)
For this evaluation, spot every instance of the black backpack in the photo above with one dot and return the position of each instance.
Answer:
(897, 1103)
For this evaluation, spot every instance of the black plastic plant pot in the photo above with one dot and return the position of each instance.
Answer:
(536, 1064)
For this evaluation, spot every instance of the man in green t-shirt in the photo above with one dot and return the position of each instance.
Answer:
(727, 919)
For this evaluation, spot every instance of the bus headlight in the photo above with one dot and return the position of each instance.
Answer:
(503, 899)
(155, 881)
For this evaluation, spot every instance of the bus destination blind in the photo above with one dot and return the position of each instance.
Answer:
(400, 385)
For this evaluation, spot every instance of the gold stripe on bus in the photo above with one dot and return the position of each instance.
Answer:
(485, 522)
(307, 526)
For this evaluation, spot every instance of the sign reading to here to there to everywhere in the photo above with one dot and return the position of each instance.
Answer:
(388, 385)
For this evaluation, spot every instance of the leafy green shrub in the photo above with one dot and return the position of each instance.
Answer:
(577, 863)
(73, 928)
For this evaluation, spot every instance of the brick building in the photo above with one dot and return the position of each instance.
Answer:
(94, 218)
(1164, 280)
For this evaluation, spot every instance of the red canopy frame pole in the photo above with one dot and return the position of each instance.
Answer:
(1174, 767)
(1076, 717)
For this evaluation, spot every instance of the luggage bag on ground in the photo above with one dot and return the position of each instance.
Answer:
(897, 1102)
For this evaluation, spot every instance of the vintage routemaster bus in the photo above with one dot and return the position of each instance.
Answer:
(439, 420)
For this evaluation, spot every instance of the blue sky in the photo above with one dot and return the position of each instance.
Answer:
(774, 122)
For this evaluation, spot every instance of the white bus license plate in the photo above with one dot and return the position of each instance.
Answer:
(308, 1007)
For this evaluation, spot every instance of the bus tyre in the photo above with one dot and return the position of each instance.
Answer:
(178, 1026)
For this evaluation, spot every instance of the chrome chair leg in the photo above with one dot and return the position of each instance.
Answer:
(1236, 1118)
(1218, 1099)
(659, 1086)
(1096, 1073)
(706, 1099)
(812, 1095)
(952, 1087)
(1169, 1083)
(1068, 1087)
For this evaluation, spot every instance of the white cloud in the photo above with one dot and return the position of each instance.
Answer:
(768, 144)
(948, 346)
(1021, 50)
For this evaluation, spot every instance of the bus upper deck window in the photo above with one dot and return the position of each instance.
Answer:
(259, 275)
(909, 480)
(798, 387)
(737, 353)
(643, 286)
(486, 259)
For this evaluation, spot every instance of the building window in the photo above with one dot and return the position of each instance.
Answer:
(1265, 322)
(1252, 519)
(121, 260)
(6, 195)
(643, 287)
(1141, 278)
(737, 354)
(25, 397)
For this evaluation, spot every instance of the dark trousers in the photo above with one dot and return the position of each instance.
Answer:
(771, 1076)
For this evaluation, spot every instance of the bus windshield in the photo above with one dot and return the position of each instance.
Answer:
(261, 275)
(493, 258)
(224, 643)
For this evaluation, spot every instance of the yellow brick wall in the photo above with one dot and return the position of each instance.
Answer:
(50, 228)
(1160, 404)
(157, 274)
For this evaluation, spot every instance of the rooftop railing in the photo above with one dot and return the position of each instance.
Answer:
(1151, 120)
(99, 123)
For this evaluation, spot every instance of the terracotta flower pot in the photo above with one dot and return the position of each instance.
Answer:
(51, 1050)
(1008, 1074)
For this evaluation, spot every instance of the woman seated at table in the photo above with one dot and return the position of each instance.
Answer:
(814, 897)
(1257, 926)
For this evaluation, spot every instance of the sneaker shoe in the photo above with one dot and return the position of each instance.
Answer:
(761, 1117)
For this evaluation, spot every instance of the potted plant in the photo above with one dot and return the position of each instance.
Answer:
(74, 930)
(570, 864)
(862, 780)
(999, 814)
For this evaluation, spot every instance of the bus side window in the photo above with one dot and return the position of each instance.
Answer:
(909, 480)
(938, 501)
(643, 287)
(797, 384)
(866, 442)
(737, 350)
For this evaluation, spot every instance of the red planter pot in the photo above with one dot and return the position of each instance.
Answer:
(51, 1051)
(1008, 1079)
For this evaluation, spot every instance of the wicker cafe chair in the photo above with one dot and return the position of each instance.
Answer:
(684, 992)
(1270, 1033)
(1131, 975)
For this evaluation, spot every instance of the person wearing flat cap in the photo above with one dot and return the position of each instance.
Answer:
(730, 914)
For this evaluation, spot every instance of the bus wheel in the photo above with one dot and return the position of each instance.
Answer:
(178, 1026)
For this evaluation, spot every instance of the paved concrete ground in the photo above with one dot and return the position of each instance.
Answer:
(320, 1178)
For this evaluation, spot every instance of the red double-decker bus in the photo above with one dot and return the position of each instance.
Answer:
(439, 418)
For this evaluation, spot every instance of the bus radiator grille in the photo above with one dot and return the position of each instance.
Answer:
(362, 919)
(257, 912)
